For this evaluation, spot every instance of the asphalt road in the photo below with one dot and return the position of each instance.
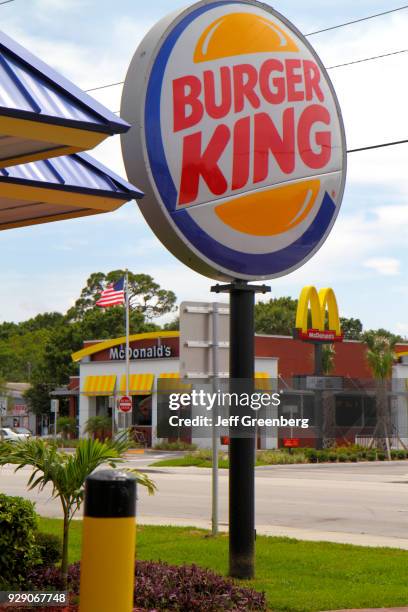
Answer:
(364, 503)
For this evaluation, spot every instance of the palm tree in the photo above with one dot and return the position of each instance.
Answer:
(66, 473)
(66, 426)
(328, 397)
(328, 355)
(99, 426)
(380, 357)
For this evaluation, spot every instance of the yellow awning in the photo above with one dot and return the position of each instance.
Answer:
(139, 384)
(170, 375)
(263, 381)
(170, 381)
(99, 385)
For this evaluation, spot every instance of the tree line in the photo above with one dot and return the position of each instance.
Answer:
(39, 350)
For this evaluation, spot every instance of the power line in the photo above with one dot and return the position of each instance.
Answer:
(381, 145)
(359, 61)
(342, 25)
(378, 146)
(367, 59)
(103, 86)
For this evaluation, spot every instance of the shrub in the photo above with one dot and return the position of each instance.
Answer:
(381, 456)
(280, 457)
(311, 454)
(353, 457)
(332, 456)
(160, 586)
(178, 445)
(66, 426)
(401, 454)
(343, 457)
(18, 549)
(50, 547)
(50, 577)
(371, 455)
(322, 456)
(99, 427)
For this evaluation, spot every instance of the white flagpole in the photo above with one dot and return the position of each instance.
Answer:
(127, 329)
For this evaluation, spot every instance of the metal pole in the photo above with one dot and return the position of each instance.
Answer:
(242, 449)
(318, 370)
(113, 416)
(127, 331)
(127, 341)
(215, 444)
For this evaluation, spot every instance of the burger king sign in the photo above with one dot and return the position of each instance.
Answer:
(237, 140)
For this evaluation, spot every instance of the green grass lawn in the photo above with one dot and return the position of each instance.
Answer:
(297, 576)
(189, 461)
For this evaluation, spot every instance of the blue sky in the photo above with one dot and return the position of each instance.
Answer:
(366, 255)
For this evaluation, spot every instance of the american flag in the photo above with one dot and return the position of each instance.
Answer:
(113, 295)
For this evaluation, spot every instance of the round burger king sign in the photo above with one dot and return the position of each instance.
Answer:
(237, 140)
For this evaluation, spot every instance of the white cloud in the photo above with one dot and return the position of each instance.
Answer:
(386, 266)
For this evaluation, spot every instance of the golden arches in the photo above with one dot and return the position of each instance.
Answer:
(318, 303)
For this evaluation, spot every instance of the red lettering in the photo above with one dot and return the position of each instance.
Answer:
(245, 80)
(276, 95)
(185, 96)
(242, 144)
(312, 79)
(293, 79)
(268, 140)
(217, 111)
(311, 115)
(197, 163)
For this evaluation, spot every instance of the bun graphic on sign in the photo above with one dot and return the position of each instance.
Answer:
(237, 140)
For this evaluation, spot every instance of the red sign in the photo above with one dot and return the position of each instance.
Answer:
(291, 442)
(317, 335)
(125, 404)
(19, 409)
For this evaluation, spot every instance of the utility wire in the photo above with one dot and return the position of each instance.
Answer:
(367, 59)
(102, 86)
(359, 61)
(359, 149)
(342, 25)
(378, 146)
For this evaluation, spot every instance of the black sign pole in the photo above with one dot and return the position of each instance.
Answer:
(241, 449)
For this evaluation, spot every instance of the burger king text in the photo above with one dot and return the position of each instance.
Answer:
(244, 87)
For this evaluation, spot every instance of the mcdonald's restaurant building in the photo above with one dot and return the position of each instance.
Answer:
(281, 362)
(154, 357)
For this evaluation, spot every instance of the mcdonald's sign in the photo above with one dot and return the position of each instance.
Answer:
(318, 303)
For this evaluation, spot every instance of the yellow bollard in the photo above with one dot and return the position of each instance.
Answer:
(108, 543)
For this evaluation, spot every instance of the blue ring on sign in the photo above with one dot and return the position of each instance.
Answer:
(230, 259)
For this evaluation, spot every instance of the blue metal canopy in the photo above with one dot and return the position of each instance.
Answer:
(42, 114)
(61, 188)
